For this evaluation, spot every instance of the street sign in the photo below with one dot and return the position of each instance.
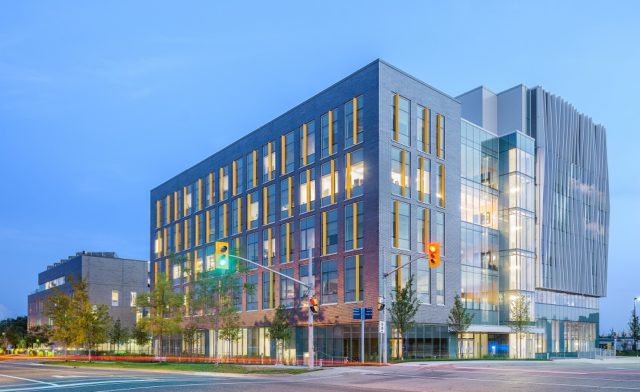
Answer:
(368, 313)
(357, 314)
(381, 326)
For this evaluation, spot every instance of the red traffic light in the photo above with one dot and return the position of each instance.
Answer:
(314, 305)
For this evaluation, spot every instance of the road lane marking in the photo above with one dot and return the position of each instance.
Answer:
(28, 379)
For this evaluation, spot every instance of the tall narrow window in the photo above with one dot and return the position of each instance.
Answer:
(401, 225)
(236, 216)
(269, 204)
(423, 179)
(238, 176)
(286, 155)
(179, 207)
(287, 289)
(307, 237)
(211, 226)
(224, 183)
(199, 226)
(423, 282)
(187, 200)
(440, 135)
(402, 274)
(401, 119)
(286, 243)
(424, 128)
(439, 179)
(329, 126)
(115, 298)
(252, 169)
(167, 209)
(329, 232)
(197, 195)
(354, 169)
(329, 282)
(268, 162)
(158, 244)
(423, 229)
(208, 198)
(440, 285)
(329, 183)
(252, 248)
(222, 221)
(253, 210)
(286, 198)
(268, 247)
(400, 168)
(353, 217)
(353, 121)
(158, 214)
(267, 291)
(438, 230)
(307, 143)
(353, 279)
(251, 292)
(178, 238)
(307, 190)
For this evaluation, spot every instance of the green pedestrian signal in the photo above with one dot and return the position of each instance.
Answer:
(222, 255)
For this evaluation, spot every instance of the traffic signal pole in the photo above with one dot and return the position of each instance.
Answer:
(310, 294)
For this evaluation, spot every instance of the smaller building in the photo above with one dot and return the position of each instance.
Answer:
(111, 281)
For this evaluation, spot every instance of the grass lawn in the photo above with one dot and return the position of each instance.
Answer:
(189, 367)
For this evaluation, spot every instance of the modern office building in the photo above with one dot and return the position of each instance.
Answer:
(111, 281)
(362, 176)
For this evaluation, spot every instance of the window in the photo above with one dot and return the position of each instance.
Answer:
(329, 232)
(251, 292)
(210, 260)
(307, 234)
(286, 198)
(424, 128)
(328, 183)
(400, 169)
(329, 127)
(134, 296)
(222, 221)
(252, 169)
(178, 238)
(187, 200)
(402, 274)
(308, 143)
(329, 282)
(267, 290)
(188, 233)
(269, 204)
(171, 242)
(268, 161)
(286, 153)
(179, 210)
(307, 190)
(423, 282)
(401, 224)
(167, 210)
(286, 242)
(198, 265)
(440, 285)
(440, 135)
(268, 247)
(115, 298)
(439, 174)
(211, 225)
(423, 229)
(236, 216)
(352, 226)
(158, 244)
(353, 279)
(238, 176)
(224, 183)
(423, 179)
(199, 229)
(210, 190)
(304, 277)
(354, 182)
(287, 289)
(252, 249)
(401, 119)
(438, 230)
(253, 210)
(197, 195)
(353, 121)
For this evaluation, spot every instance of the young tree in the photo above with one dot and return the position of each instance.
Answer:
(189, 334)
(459, 321)
(91, 321)
(165, 311)
(58, 310)
(37, 335)
(634, 328)
(140, 335)
(229, 326)
(403, 311)
(520, 319)
(118, 334)
(280, 328)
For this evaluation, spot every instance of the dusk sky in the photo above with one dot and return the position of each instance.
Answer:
(102, 101)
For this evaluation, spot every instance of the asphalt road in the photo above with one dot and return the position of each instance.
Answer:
(477, 376)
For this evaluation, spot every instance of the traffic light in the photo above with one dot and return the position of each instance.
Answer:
(222, 255)
(433, 253)
(380, 304)
(314, 305)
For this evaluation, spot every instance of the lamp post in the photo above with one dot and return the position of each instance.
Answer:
(635, 315)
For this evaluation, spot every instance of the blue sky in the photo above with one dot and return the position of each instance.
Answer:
(102, 101)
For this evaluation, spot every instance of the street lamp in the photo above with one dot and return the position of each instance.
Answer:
(635, 344)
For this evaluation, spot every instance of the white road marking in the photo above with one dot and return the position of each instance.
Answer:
(27, 379)
(68, 376)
